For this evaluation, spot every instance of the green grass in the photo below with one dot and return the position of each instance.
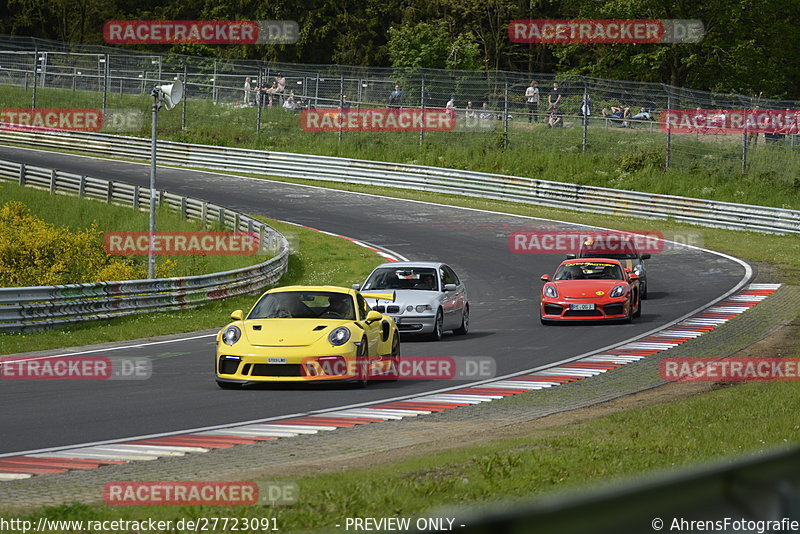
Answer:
(727, 422)
(319, 259)
(703, 166)
(78, 214)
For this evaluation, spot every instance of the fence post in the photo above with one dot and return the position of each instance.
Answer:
(341, 102)
(669, 133)
(744, 151)
(22, 174)
(316, 91)
(105, 81)
(35, 68)
(505, 115)
(110, 192)
(185, 94)
(184, 212)
(585, 110)
(52, 181)
(82, 186)
(260, 98)
(214, 84)
(422, 106)
(135, 198)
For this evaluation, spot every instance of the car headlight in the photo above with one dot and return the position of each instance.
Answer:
(423, 307)
(339, 336)
(550, 291)
(231, 335)
(617, 291)
(638, 270)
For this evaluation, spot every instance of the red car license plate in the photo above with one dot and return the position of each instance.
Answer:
(581, 306)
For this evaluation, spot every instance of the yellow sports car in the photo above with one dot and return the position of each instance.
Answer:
(309, 334)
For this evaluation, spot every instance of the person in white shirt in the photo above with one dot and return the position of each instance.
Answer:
(532, 100)
(247, 89)
(288, 104)
(450, 108)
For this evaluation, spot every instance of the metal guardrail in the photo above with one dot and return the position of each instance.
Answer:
(28, 308)
(758, 492)
(435, 179)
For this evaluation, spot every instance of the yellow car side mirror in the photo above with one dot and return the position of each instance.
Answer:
(237, 315)
(373, 316)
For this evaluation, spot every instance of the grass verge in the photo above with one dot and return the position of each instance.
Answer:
(705, 166)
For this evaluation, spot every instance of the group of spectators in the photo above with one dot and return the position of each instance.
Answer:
(274, 95)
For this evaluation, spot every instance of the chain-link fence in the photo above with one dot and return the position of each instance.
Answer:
(492, 109)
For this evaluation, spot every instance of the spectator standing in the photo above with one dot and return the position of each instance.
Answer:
(289, 105)
(450, 108)
(247, 89)
(586, 105)
(554, 98)
(345, 104)
(396, 98)
(532, 100)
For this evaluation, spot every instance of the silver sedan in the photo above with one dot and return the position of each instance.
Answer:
(431, 298)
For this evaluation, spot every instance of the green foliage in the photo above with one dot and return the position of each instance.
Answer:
(430, 45)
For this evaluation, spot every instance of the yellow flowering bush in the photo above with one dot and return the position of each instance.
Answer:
(33, 252)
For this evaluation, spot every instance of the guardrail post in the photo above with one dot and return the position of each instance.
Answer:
(203, 215)
(236, 222)
(262, 242)
(136, 198)
(184, 213)
(22, 169)
(110, 192)
(249, 226)
(82, 186)
(160, 198)
(221, 214)
(52, 181)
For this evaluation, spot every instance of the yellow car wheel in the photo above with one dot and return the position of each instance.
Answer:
(362, 365)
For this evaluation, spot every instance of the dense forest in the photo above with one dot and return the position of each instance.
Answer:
(750, 45)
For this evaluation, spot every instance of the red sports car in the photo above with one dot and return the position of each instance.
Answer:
(595, 289)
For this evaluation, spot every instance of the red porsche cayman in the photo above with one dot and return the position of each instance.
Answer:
(596, 289)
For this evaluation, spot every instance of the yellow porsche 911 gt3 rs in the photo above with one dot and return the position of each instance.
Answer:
(309, 334)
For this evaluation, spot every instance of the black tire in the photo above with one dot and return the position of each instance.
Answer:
(629, 318)
(228, 385)
(362, 361)
(437, 333)
(644, 291)
(394, 369)
(638, 312)
(464, 328)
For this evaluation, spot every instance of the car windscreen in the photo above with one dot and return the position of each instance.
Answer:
(304, 305)
(420, 278)
(589, 271)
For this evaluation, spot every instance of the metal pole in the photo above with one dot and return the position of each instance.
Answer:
(214, 83)
(35, 68)
(585, 118)
(669, 132)
(260, 98)
(105, 82)
(341, 103)
(316, 91)
(185, 94)
(744, 151)
(505, 116)
(422, 107)
(151, 253)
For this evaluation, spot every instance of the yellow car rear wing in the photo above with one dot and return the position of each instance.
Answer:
(381, 296)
